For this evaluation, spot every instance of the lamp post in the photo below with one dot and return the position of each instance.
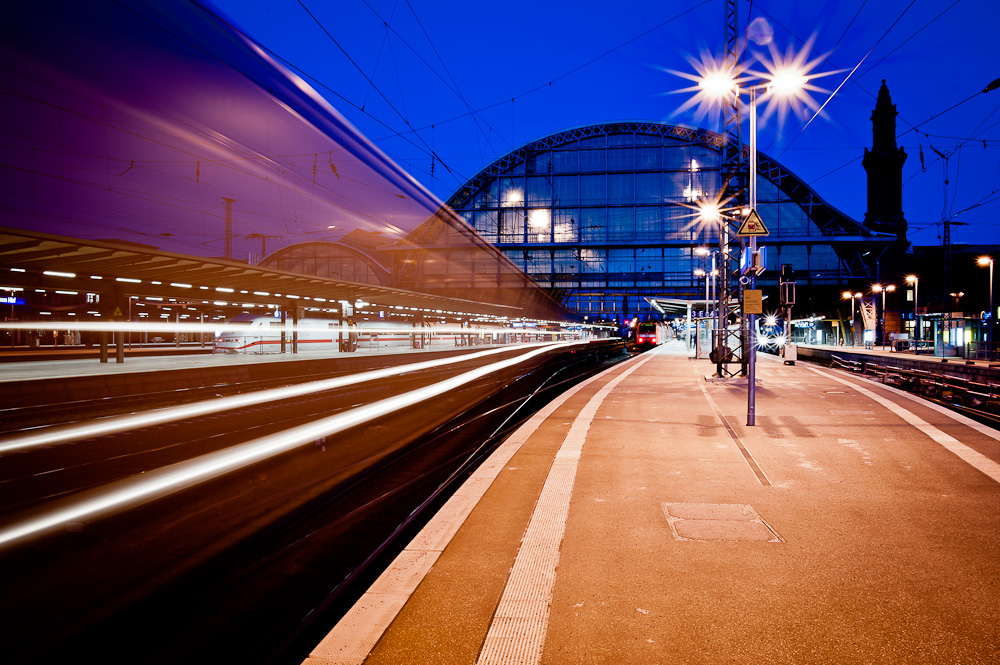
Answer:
(705, 251)
(882, 288)
(785, 81)
(849, 295)
(700, 272)
(988, 261)
(915, 281)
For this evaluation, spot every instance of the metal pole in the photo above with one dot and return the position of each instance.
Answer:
(752, 318)
(883, 318)
(992, 346)
(852, 320)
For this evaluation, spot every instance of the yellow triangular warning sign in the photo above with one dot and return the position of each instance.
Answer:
(118, 313)
(752, 225)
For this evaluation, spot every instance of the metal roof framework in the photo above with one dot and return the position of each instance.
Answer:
(39, 260)
(831, 221)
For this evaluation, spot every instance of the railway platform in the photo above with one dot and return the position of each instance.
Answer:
(637, 519)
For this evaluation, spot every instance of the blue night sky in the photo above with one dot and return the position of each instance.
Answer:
(472, 81)
(135, 119)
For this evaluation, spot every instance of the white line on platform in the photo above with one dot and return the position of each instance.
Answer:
(517, 632)
(967, 454)
(356, 634)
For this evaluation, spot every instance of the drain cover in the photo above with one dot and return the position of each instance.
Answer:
(718, 522)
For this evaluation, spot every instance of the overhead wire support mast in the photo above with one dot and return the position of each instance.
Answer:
(733, 182)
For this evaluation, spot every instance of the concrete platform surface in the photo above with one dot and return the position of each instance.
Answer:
(637, 519)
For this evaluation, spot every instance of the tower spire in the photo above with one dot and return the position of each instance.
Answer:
(884, 165)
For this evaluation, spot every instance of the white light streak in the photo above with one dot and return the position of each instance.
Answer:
(175, 477)
(63, 434)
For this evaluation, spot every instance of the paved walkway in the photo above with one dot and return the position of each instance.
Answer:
(638, 520)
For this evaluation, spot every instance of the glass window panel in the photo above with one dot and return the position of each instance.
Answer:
(648, 188)
(652, 258)
(593, 260)
(621, 223)
(647, 223)
(704, 184)
(566, 161)
(511, 225)
(593, 141)
(539, 226)
(792, 220)
(677, 186)
(768, 212)
(647, 158)
(620, 261)
(566, 261)
(795, 255)
(767, 190)
(593, 160)
(593, 224)
(488, 196)
(679, 222)
(567, 190)
(620, 188)
(511, 191)
(823, 257)
(538, 262)
(677, 261)
(593, 189)
(706, 157)
(565, 226)
(620, 159)
(620, 139)
(648, 139)
(676, 156)
(539, 163)
(539, 191)
(486, 224)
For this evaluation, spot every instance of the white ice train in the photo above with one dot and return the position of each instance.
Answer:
(256, 334)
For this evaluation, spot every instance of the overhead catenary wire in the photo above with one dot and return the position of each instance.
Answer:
(376, 88)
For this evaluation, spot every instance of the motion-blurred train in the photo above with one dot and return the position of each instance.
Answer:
(256, 334)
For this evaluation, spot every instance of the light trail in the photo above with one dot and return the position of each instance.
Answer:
(64, 433)
(170, 327)
(175, 477)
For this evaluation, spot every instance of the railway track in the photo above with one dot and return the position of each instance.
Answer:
(255, 562)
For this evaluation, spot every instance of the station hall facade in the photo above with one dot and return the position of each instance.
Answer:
(605, 216)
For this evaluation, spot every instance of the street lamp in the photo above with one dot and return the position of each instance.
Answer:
(849, 295)
(988, 261)
(786, 80)
(700, 272)
(705, 251)
(782, 83)
(915, 281)
(877, 288)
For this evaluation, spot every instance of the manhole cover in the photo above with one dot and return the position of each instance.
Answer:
(718, 522)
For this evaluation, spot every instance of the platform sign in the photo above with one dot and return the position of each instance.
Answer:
(752, 225)
(753, 301)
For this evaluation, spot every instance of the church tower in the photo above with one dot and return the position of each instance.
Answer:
(884, 165)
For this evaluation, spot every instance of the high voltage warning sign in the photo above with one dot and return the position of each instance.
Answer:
(752, 225)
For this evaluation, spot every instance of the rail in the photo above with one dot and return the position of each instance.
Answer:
(978, 395)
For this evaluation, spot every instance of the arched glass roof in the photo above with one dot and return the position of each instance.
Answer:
(605, 215)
